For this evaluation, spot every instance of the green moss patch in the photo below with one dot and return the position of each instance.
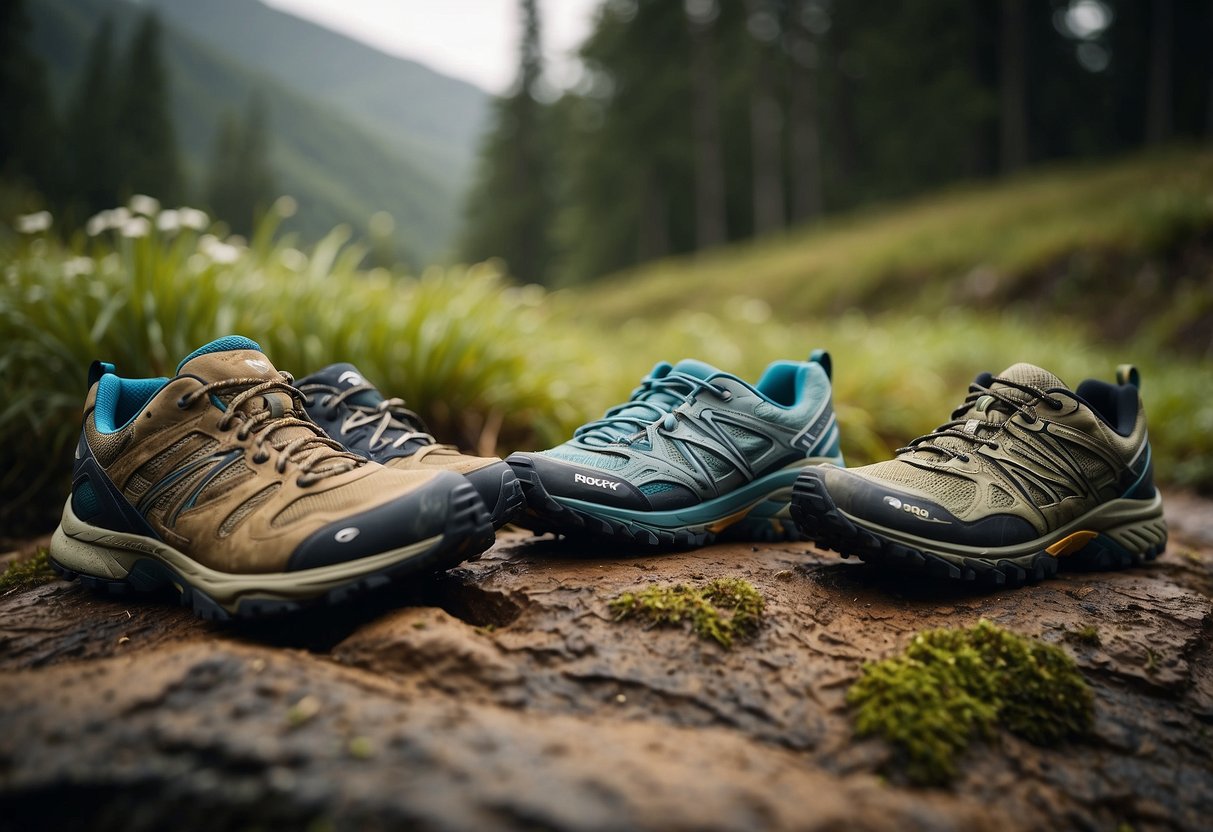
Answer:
(953, 686)
(723, 609)
(22, 574)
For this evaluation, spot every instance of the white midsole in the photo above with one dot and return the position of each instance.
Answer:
(101, 553)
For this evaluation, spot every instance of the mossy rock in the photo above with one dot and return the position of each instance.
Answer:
(722, 609)
(953, 686)
(28, 572)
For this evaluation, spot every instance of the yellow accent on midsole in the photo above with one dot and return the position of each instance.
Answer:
(724, 522)
(1071, 543)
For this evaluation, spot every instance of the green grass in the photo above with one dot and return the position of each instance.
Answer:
(977, 245)
(491, 364)
(721, 610)
(951, 687)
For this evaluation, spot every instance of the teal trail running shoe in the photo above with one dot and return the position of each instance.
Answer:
(694, 453)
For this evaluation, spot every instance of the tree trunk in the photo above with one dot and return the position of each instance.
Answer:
(1013, 123)
(653, 241)
(1158, 99)
(711, 226)
(765, 129)
(807, 202)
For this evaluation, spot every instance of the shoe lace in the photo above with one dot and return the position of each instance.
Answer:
(965, 429)
(655, 400)
(387, 415)
(307, 453)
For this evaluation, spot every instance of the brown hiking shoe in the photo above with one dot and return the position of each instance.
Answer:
(216, 483)
(353, 412)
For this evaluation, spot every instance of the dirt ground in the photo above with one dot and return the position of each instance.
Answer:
(504, 695)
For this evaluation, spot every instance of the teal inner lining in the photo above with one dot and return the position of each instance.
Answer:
(119, 400)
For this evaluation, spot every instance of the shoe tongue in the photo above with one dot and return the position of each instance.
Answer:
(987, 414)
(1026, 374)
(670, 398)
(234, 357)
(698, 369)
(343, 376)
(230, 357)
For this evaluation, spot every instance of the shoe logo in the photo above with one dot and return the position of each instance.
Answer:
(346, 535)
(595, 481)
(908, 508)
(351, 378)
(258, 365)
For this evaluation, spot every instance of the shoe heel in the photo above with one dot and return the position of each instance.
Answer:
(1120, 548)
(97, 566)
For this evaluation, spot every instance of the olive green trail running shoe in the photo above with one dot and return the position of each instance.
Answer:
(1028, 476)
(215, 484)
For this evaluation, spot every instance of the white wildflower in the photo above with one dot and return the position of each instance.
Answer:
(293, 259)
(193, 219)
(286, 206)
(78, 266)
(135, 227)
(217, 250)
(149, 206)
(169, 220)
(97, 224)
(34, 223)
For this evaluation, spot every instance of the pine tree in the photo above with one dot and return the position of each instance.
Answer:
(511, 206)
(29, 134)
(150, 161)
(241, 185)
(92, 130)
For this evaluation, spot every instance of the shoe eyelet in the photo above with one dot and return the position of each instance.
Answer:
(1056, 404)
(182, 403)
(260, 459)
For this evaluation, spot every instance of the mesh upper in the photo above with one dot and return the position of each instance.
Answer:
(245, 509)
(952, 492)
(361, 494)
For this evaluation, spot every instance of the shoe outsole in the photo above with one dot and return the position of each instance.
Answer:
(544, 515)
(823, 523)
(468, 524)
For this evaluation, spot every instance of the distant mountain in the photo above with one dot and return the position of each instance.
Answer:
(416, 110)
(342, 156)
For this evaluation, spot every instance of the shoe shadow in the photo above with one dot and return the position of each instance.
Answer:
(914, 587)
(550, 547)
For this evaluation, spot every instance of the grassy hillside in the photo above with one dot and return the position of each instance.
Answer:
(1118, 247)
(340, 171)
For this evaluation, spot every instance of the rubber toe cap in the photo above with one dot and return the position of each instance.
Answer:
(416, 516)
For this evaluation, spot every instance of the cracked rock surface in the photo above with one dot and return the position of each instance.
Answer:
(504, 695)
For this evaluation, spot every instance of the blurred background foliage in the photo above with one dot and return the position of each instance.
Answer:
(928, 190)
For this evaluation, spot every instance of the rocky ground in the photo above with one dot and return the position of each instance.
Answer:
(504, 695)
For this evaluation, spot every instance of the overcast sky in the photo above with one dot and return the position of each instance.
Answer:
(476, 40)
